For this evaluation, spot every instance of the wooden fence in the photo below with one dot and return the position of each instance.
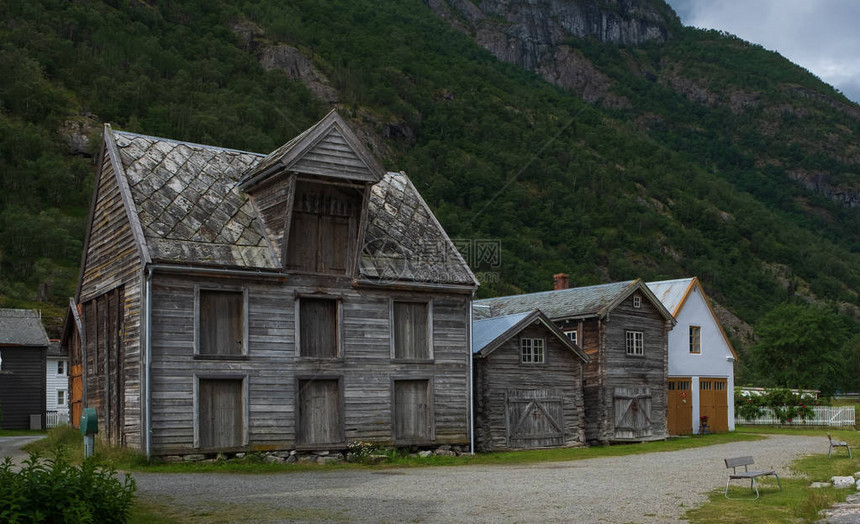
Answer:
(55, 419)
(836, 416)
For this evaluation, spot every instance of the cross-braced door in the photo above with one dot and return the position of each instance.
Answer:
(632, 412)
(535, 418)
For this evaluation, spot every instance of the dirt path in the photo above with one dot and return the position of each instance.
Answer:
(655, 487)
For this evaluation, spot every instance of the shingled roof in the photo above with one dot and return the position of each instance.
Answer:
(22, 327)
(191, 209)
(581, 302)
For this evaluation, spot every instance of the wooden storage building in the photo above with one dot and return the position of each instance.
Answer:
(23, 357)
(528, 384)
(624, 330)
(233, 301)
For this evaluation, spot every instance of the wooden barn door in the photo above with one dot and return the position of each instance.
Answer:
(632, 412)
(535, 418)
(713, 402)
(320, 419)
(220, 413)
(412, 411)
(680, 414)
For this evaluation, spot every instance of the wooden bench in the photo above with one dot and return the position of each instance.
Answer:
(746, 474)
(837, 444)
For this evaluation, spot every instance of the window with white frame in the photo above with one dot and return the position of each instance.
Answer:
(637, 301)
(695, 339)
(572, 335)
(61, 367)
(61, 397)
(635, 343)
(531, 350)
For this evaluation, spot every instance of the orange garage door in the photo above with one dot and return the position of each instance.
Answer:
(713, 403)
(680, 414)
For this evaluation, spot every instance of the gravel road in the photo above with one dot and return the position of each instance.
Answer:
(654, 487)
(11, 447)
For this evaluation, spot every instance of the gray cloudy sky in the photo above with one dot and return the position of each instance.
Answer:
(822, 36)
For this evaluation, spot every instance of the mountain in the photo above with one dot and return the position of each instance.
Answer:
(596, 137)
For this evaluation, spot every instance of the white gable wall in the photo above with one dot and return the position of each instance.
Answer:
(715, 360)
(57, 382)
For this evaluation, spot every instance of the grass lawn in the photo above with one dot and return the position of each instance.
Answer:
(797, 502)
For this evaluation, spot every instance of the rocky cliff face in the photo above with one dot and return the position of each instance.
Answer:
(532, 34)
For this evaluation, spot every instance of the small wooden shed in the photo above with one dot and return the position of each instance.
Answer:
(528, 384)
(23, 353)
(623, 328)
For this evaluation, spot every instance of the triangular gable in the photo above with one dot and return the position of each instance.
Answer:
(688, 290)
(511, 325)
(110, 155)
(638, 285)
(329, 148)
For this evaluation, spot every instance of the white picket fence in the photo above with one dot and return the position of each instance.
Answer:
(55, 418)
(822, 416)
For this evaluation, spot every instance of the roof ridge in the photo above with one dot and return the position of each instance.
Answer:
(183, 142)
(624, 282)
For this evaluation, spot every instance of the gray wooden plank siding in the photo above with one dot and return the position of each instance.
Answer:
(111, 261)
(22, 386)
(272, 202)
(502, 370)
(272, 365)
(332, 155)
(645, 371)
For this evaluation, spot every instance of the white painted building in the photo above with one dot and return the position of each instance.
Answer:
(701, 361)
(57, 384)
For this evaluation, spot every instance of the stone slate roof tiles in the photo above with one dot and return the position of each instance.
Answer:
(192, 211)
(573, 302)
(22, 327)
(404, 241)
(189, 206)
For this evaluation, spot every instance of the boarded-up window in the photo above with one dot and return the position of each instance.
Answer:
(318, 328)
(320, 420)
(323, 228)
(412, 414)
(221, 323)
(411, 340)
(220, 413)
(695, 339)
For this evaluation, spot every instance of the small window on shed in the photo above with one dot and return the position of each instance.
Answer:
(531, 350)
(635, 343)
(411, 330)
(318, 328)
(637, 301)
(572, 335)
(221, 323)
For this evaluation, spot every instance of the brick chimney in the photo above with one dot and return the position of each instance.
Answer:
(561, 281)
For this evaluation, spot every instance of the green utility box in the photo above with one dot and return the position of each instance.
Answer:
(89, 421)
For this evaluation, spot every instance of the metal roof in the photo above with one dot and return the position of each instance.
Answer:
(574, 302)
(671, 292)
(487, 330)
(22, 327)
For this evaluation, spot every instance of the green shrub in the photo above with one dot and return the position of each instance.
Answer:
(52, 490)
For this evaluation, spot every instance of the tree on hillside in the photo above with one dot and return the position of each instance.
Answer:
(801, 345)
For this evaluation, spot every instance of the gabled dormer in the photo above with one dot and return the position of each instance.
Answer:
(312, 195)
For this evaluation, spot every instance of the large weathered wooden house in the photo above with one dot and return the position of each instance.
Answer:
(302, 299)
(701, 360)
(23, 350)
(528, 384)
(623, 329)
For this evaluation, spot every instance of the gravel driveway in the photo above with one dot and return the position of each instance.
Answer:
(654, 487)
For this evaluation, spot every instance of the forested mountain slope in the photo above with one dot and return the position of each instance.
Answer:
(689, 153)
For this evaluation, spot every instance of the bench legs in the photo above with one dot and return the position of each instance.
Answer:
(830, 451)
(753, 487)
